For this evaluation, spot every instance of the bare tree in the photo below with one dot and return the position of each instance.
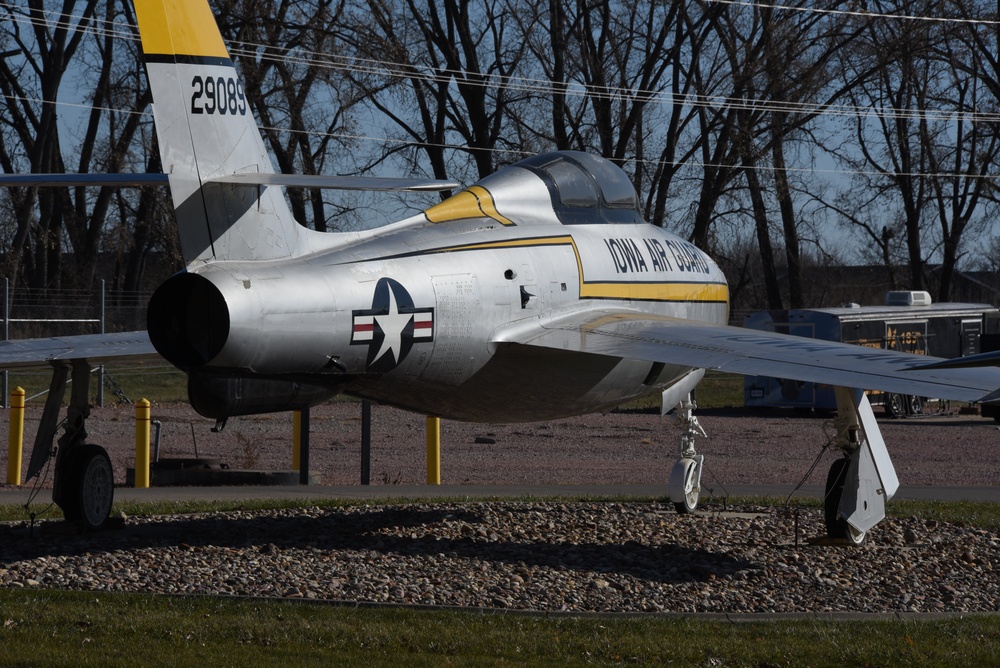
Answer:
(448, 80)
(79, 41)
(287, 52)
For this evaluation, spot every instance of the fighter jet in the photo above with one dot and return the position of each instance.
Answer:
(537, 293)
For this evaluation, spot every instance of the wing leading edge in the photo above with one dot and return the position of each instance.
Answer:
(751, 352)
(92, 347)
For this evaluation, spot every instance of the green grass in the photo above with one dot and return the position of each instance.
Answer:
(47, 628)
(158, 382)
(716, 390)
(79, 629)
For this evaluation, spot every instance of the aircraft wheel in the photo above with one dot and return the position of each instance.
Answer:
(895, 405)
(684, 489)
(838, 527)
(915, 405)
(90, 488)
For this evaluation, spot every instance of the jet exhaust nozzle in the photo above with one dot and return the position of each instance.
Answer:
(188, 321)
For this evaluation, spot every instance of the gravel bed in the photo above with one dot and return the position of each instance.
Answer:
(607, 557)
(619, 557)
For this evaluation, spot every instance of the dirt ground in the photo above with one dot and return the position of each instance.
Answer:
(742, 447)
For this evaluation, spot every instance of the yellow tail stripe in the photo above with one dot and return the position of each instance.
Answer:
(179, 28)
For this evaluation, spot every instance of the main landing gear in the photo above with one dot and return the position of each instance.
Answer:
(83, 481)
(858, 484)
(684, 487)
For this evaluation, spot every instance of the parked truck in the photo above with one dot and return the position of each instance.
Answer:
(908, 322)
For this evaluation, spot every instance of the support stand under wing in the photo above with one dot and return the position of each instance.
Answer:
(859, 484)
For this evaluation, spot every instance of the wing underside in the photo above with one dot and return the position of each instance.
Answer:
(634, 335)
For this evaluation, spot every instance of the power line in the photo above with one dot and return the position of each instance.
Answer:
(524, 84)
(860, 13)
(575, 89)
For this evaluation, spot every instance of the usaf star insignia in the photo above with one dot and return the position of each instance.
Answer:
(391, 326)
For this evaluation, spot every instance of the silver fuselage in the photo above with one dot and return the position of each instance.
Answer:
(297, 318)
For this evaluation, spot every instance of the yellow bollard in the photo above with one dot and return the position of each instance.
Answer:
(142, 444)
(433, 450)
(15, 440)
(296, 440)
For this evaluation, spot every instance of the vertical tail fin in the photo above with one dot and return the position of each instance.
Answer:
(206, 130)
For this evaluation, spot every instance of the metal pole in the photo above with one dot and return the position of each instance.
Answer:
(366, 442)
(100, 369)
(296, 440)
(433, 450)
(142, 444)
(304, 447)
(15, 438)
(6, 336)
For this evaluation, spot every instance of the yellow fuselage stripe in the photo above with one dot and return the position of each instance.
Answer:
(644, 290)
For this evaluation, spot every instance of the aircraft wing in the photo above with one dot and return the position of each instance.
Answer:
(751, 352)
(92, 347)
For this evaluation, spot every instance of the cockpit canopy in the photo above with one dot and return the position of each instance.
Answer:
(562, 188)
(585, 188)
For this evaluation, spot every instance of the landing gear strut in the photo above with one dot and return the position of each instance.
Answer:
(83, 481)
(859, 484)
(684, 487)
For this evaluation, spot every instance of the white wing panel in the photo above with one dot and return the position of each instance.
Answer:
(750, 352)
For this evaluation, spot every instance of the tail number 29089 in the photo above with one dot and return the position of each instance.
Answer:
(218, 95)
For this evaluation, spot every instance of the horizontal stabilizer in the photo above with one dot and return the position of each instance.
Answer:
(336, 182)
(74, 180)
(251, 179)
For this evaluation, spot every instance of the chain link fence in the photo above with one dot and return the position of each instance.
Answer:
(29, 313)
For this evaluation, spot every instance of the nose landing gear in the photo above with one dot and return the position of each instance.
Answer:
(684, 486)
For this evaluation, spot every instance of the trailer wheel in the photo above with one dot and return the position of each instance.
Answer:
(895, 405)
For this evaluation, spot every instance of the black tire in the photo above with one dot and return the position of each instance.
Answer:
(915, 405)
(836, 527)
(895, 405)
(690, 502)
(90, 488)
